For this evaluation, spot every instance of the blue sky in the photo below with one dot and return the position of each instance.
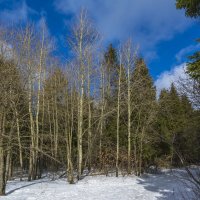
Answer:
(164, 34)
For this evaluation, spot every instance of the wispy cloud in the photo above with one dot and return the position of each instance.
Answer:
(183, 53)
(168, 77)
(18, 12)
(148, 22)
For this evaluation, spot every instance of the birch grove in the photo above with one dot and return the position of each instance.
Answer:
(94, 112)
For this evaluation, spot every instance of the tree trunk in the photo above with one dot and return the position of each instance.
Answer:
(50, 128)
(41, 57)
(2, 157)
(56, 129)
(89, 119)
(8, 163)
(32, 145)
(102, 118)
(69, 122)
(141, 152)
(118, 120)
(129, 121)
(9, 152)
(80, 156)
(20, 145)
(41, 158)
(135, 151)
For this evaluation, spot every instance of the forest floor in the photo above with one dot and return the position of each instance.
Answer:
(164, 186)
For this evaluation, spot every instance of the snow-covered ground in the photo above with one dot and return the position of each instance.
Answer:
(165, 186)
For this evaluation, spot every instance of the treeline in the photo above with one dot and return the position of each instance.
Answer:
(98, 112)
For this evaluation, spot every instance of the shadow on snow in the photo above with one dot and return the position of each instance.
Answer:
(167, 185)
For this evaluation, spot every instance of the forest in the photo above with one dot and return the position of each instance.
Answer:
(95, 113)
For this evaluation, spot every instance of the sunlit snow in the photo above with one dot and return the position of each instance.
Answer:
(165, 186)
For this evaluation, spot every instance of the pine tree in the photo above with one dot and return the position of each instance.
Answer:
(112, 70)
(144, 104)
(172, 119)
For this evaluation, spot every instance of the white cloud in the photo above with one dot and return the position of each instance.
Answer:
(168, 77)
(147, 21)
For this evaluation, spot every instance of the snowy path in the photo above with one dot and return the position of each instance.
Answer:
(163, 187)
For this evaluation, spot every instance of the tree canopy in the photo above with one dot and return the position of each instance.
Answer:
(192, 7)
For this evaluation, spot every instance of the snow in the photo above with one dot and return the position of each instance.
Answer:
(165, 186)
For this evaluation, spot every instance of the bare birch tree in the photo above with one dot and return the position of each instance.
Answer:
(83, 38)
(118, 112)
(129, 57)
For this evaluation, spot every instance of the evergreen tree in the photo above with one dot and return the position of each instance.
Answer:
(192, 7)
(193, 67)
(169, 120)
(144, 106)
(175, 115)
(112, 68)
(187, 142)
